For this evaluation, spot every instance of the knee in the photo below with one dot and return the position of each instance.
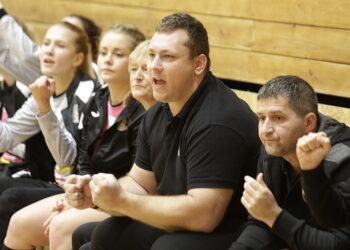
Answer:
(59, 230)
(19, 223)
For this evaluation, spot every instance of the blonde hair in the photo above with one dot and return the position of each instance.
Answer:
(141, 50)
(81, 45)
(128, 29)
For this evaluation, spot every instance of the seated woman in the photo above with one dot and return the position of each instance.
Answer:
(20, 54)
(108, 136)
(64, 61)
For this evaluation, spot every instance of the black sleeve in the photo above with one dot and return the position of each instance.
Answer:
(330, 205)
(216, 158)
(299, 235)
(84, 161)
(143, 153)
(83, 158)
(134, 133)
(257, 236)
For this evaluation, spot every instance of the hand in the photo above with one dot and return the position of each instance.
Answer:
(312, 149)
(106, 192)
(78, 192)
(259, 201)
(61, 204)
(42, 89)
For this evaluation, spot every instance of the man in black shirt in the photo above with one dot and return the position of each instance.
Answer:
(280, 215)
(194, 147)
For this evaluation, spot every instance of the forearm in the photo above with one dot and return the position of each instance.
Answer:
(19, 43)
(257, 235)
(10, 65)
(60, 142)
(299, 235)
(177, 212)
(20, 127)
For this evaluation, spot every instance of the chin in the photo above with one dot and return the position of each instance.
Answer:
(273, 151)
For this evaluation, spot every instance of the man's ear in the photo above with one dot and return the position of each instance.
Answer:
(200, 63)
(78, 59)
(310, 122)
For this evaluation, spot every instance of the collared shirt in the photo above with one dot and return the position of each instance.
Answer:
(211, 143)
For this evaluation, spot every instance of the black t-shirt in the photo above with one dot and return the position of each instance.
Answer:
(211, 143)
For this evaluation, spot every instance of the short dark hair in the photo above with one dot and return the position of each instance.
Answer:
(197, 42)
(301, 96)
(93, 31)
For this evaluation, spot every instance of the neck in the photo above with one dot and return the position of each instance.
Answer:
(62, 82)
(294, 162)
(118, 92)
(147, 104)
(175, 107)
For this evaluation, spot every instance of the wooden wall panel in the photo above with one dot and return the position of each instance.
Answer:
(246, 66)
(326, 13)
(251, 40)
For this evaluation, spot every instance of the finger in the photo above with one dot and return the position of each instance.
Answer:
(72, 188)
(252, 182)
(249, 190)
(323, 140)
(83, 180)
(75, 203)
(245, 203)
(72, 179)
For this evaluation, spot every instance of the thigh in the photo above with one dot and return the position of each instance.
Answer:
(14, 199)
(29, 222)
(138, 236)
(193, 241)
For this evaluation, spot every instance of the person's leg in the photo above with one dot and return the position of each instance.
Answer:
(123, 234)
(7, 182)
(193, 241)
(14, 199)
(63, 225)
(106, 234)
(82, 235)
(26, 226)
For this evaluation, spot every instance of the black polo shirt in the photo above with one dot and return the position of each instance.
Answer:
(211, 143)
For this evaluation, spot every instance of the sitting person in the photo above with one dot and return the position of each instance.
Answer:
(109, 130)
(19, 54)
(280, 214)
(68, 87)
(193, 148)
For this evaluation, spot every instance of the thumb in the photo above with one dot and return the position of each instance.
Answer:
(50, 83)
(260, 179)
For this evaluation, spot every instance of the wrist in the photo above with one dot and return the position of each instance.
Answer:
(273, 216)
(44, 109)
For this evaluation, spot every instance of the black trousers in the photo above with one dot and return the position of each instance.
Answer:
(16, 194)
(120, 233)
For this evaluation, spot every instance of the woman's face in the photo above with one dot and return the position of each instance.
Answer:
(58, 55)
(113, 57)
(140, 81)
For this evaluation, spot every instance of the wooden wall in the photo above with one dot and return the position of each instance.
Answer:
(251, 40)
